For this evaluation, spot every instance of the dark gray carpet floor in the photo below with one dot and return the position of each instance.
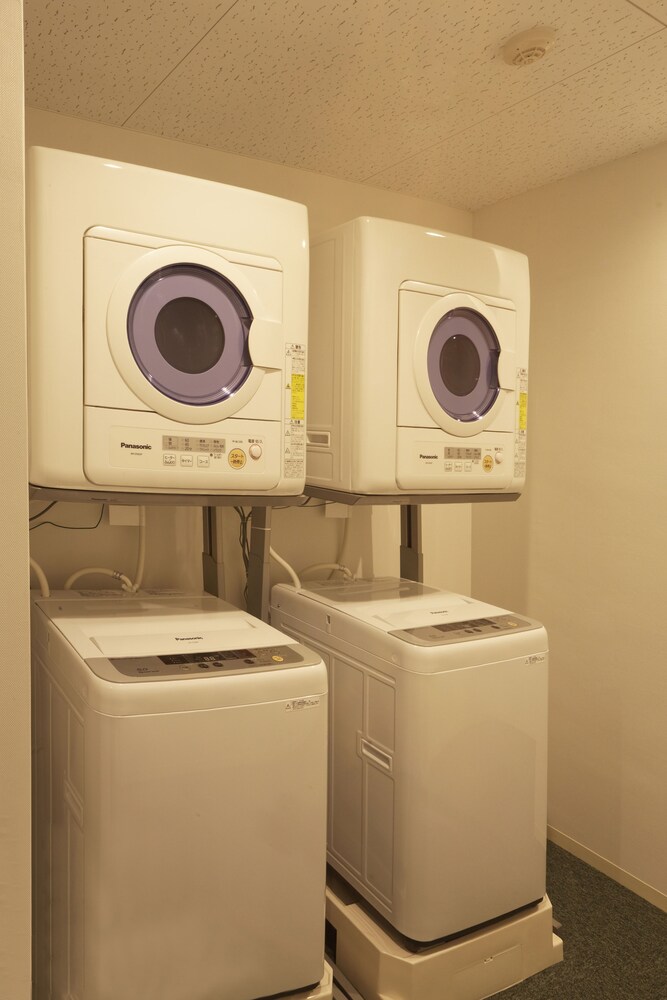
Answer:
(615, 944)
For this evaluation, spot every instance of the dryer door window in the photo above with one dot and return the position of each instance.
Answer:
(188, 328)
(462, 362)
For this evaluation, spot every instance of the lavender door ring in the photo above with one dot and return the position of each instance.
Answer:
(462, 364)
(187, 328)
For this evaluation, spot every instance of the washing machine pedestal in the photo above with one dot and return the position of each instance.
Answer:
(474, 966)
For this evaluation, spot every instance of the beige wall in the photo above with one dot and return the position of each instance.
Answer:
(301, 536)
(14, 653)
(585, 550)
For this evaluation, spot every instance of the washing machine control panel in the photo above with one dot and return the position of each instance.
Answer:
(474, 628)
(197, 664)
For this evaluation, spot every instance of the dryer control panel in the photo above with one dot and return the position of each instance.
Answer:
(246, 458)
(474, 628)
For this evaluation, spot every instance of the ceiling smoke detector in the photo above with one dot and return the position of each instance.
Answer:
(528, 46)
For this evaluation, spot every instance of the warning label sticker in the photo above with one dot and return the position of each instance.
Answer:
(298, 411)
(521, 422)
(294, 457)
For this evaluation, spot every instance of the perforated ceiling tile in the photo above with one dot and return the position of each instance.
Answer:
(100, 60)
(349, 88)
(413, 96)
(614, 108)
(657, 8)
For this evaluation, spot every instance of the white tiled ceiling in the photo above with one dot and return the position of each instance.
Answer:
(406, 95)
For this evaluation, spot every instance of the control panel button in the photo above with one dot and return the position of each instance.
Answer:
(203, 461)
(186, 461)
(499, 456)
(487, 463)
(237, 458)
(255, 451)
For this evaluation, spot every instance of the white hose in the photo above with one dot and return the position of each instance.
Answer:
(102, 571)
(141, 555)
(125, 582)
(279, 559)
(347, 573)
(41, 577)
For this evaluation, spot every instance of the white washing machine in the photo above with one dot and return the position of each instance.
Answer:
(180, 802)
(167, 322)
(437, 749)
(418, 362)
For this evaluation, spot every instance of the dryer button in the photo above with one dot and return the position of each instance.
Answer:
(499, 456)
(255, 451)
(237, 458)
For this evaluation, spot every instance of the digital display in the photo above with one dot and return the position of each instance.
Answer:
(227, 654)
(457, 626)
(461, 454)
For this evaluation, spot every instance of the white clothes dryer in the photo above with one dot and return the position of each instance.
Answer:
(180, 801)
(167, 322)
(437, 749)
(419, 362)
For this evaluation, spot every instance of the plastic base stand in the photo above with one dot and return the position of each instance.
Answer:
(323, 991)
(472, 967)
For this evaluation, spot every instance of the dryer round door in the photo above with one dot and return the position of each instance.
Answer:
(188, 334)
(457, 364)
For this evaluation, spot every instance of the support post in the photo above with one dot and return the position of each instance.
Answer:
(412, 560)
(213, 572)
(259, 581)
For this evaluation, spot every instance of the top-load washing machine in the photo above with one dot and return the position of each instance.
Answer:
(167, 322)
(437, 748)
(180, 801)
(418, 362)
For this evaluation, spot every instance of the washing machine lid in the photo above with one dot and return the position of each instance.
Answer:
(140, 625)
(226, 659)
(393, 605)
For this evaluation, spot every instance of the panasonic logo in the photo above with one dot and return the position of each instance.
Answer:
(145, 447)
(187, 638)
(427, 456)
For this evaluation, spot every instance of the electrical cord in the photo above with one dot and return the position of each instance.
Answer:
(244, 541)
(66, 527)
(45, 511)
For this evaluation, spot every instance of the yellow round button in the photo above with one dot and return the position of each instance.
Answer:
(236, 458)
(487, 463)
(278, 659)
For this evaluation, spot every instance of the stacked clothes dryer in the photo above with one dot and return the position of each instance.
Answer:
(167, 320)
(419, 362)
